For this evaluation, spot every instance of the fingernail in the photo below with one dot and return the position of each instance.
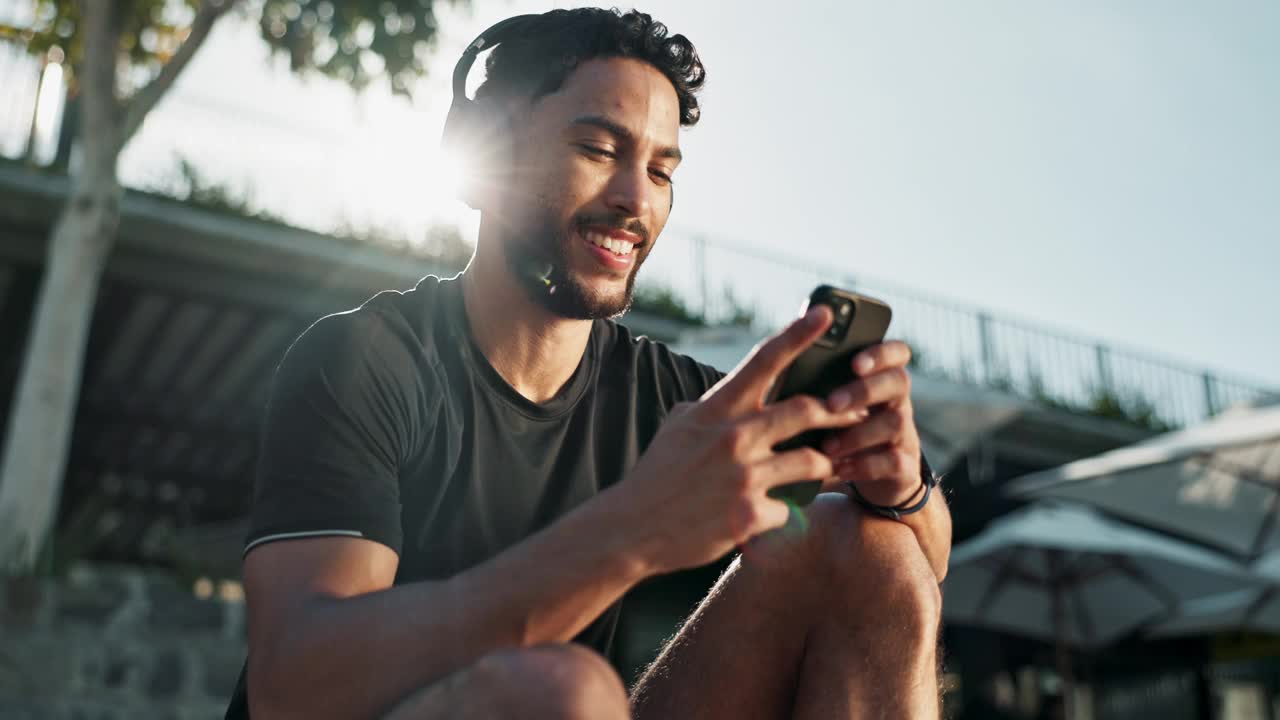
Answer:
(840, 400)
(813, 315)
(863, 364)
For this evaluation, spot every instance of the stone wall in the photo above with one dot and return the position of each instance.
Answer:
(108, 643)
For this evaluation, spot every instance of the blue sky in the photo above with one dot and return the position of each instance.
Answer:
(1109, 169)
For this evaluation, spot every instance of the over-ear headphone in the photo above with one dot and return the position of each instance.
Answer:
(474, 133)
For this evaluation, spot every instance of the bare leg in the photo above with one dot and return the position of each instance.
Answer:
(875, 655)
(834, 621)
(564, 682)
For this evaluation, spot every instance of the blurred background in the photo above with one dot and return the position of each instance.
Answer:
(1071, 207)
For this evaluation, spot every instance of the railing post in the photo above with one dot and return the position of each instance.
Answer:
(987, 347)
(1210, 402)
(700, 274)
(29, 153)
(1104, 367)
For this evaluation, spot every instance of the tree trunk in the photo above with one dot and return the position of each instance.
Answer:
(41, 419)
(43, 414)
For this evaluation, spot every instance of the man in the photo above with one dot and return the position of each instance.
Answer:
(459, 480)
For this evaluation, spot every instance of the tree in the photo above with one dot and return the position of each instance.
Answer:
(122, 56)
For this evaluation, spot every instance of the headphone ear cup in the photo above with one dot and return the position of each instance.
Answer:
(478, 138)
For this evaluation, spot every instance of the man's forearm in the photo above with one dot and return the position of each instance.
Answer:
(367, 652)
(932, 527)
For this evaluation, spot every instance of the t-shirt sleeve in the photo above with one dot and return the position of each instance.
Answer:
(346, 408)
(693, 377)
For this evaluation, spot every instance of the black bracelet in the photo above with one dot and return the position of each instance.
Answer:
(927, 478)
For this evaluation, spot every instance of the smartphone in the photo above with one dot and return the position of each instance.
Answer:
(859, 322)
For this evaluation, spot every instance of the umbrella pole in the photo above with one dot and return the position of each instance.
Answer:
(1061, 653)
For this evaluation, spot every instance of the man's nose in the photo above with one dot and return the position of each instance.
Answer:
(630, 192)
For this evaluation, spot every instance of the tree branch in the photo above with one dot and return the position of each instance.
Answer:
(98, 110)
(146, 99)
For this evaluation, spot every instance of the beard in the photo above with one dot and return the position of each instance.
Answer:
(539, 259)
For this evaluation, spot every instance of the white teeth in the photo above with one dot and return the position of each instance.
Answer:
(613, 245)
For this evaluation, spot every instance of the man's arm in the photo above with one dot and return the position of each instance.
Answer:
(881, 452)
(330, 637)
(932, 526)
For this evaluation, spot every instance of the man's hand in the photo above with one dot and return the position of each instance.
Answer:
(881, 453)
(699, 490)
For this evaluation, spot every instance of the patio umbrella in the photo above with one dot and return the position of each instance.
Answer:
(1254, 610)
(1249, 610)
(953, 417)
(1070, 576)
(1216, 483)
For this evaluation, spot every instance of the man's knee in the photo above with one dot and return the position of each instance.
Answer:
(566, 682)
(873, 566)
(876, 562)
(559, 680)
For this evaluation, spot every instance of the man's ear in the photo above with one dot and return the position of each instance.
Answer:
(487, 163)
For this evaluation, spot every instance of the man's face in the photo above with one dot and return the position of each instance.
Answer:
(591, 186)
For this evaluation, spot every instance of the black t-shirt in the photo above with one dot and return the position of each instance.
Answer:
(388, 423)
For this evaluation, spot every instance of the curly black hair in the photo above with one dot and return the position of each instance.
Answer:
(553, 44)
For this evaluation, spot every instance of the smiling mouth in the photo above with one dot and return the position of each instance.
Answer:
(617, 246)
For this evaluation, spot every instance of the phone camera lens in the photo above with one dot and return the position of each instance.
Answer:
(843, 311)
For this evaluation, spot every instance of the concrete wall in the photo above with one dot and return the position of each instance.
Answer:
(107, 643)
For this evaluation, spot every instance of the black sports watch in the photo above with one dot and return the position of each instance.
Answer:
(928, 478)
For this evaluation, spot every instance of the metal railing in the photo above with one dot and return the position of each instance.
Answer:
(955, 342)
(949, 340)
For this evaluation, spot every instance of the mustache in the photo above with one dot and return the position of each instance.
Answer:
(615, 221)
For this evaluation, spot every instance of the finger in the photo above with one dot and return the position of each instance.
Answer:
(880, 463)
(893, 353)
(886, 426)
(885, 476)
(784, 420)
(791, 466)
(835, 483)
(774, 544)
(768, 514)
(745, 387)
(892, 385)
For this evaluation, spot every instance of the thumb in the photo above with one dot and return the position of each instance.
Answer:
(743, 389)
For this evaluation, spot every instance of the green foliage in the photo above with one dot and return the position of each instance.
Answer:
(740, 313)
(196, 188)
(1039, 392)
(1000, 378)
(1134, 408)
(664, 302)
(354, 41)
(442, 243)
(150, 30)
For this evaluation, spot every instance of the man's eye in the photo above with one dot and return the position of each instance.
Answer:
(598, 151)
(663, 178)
